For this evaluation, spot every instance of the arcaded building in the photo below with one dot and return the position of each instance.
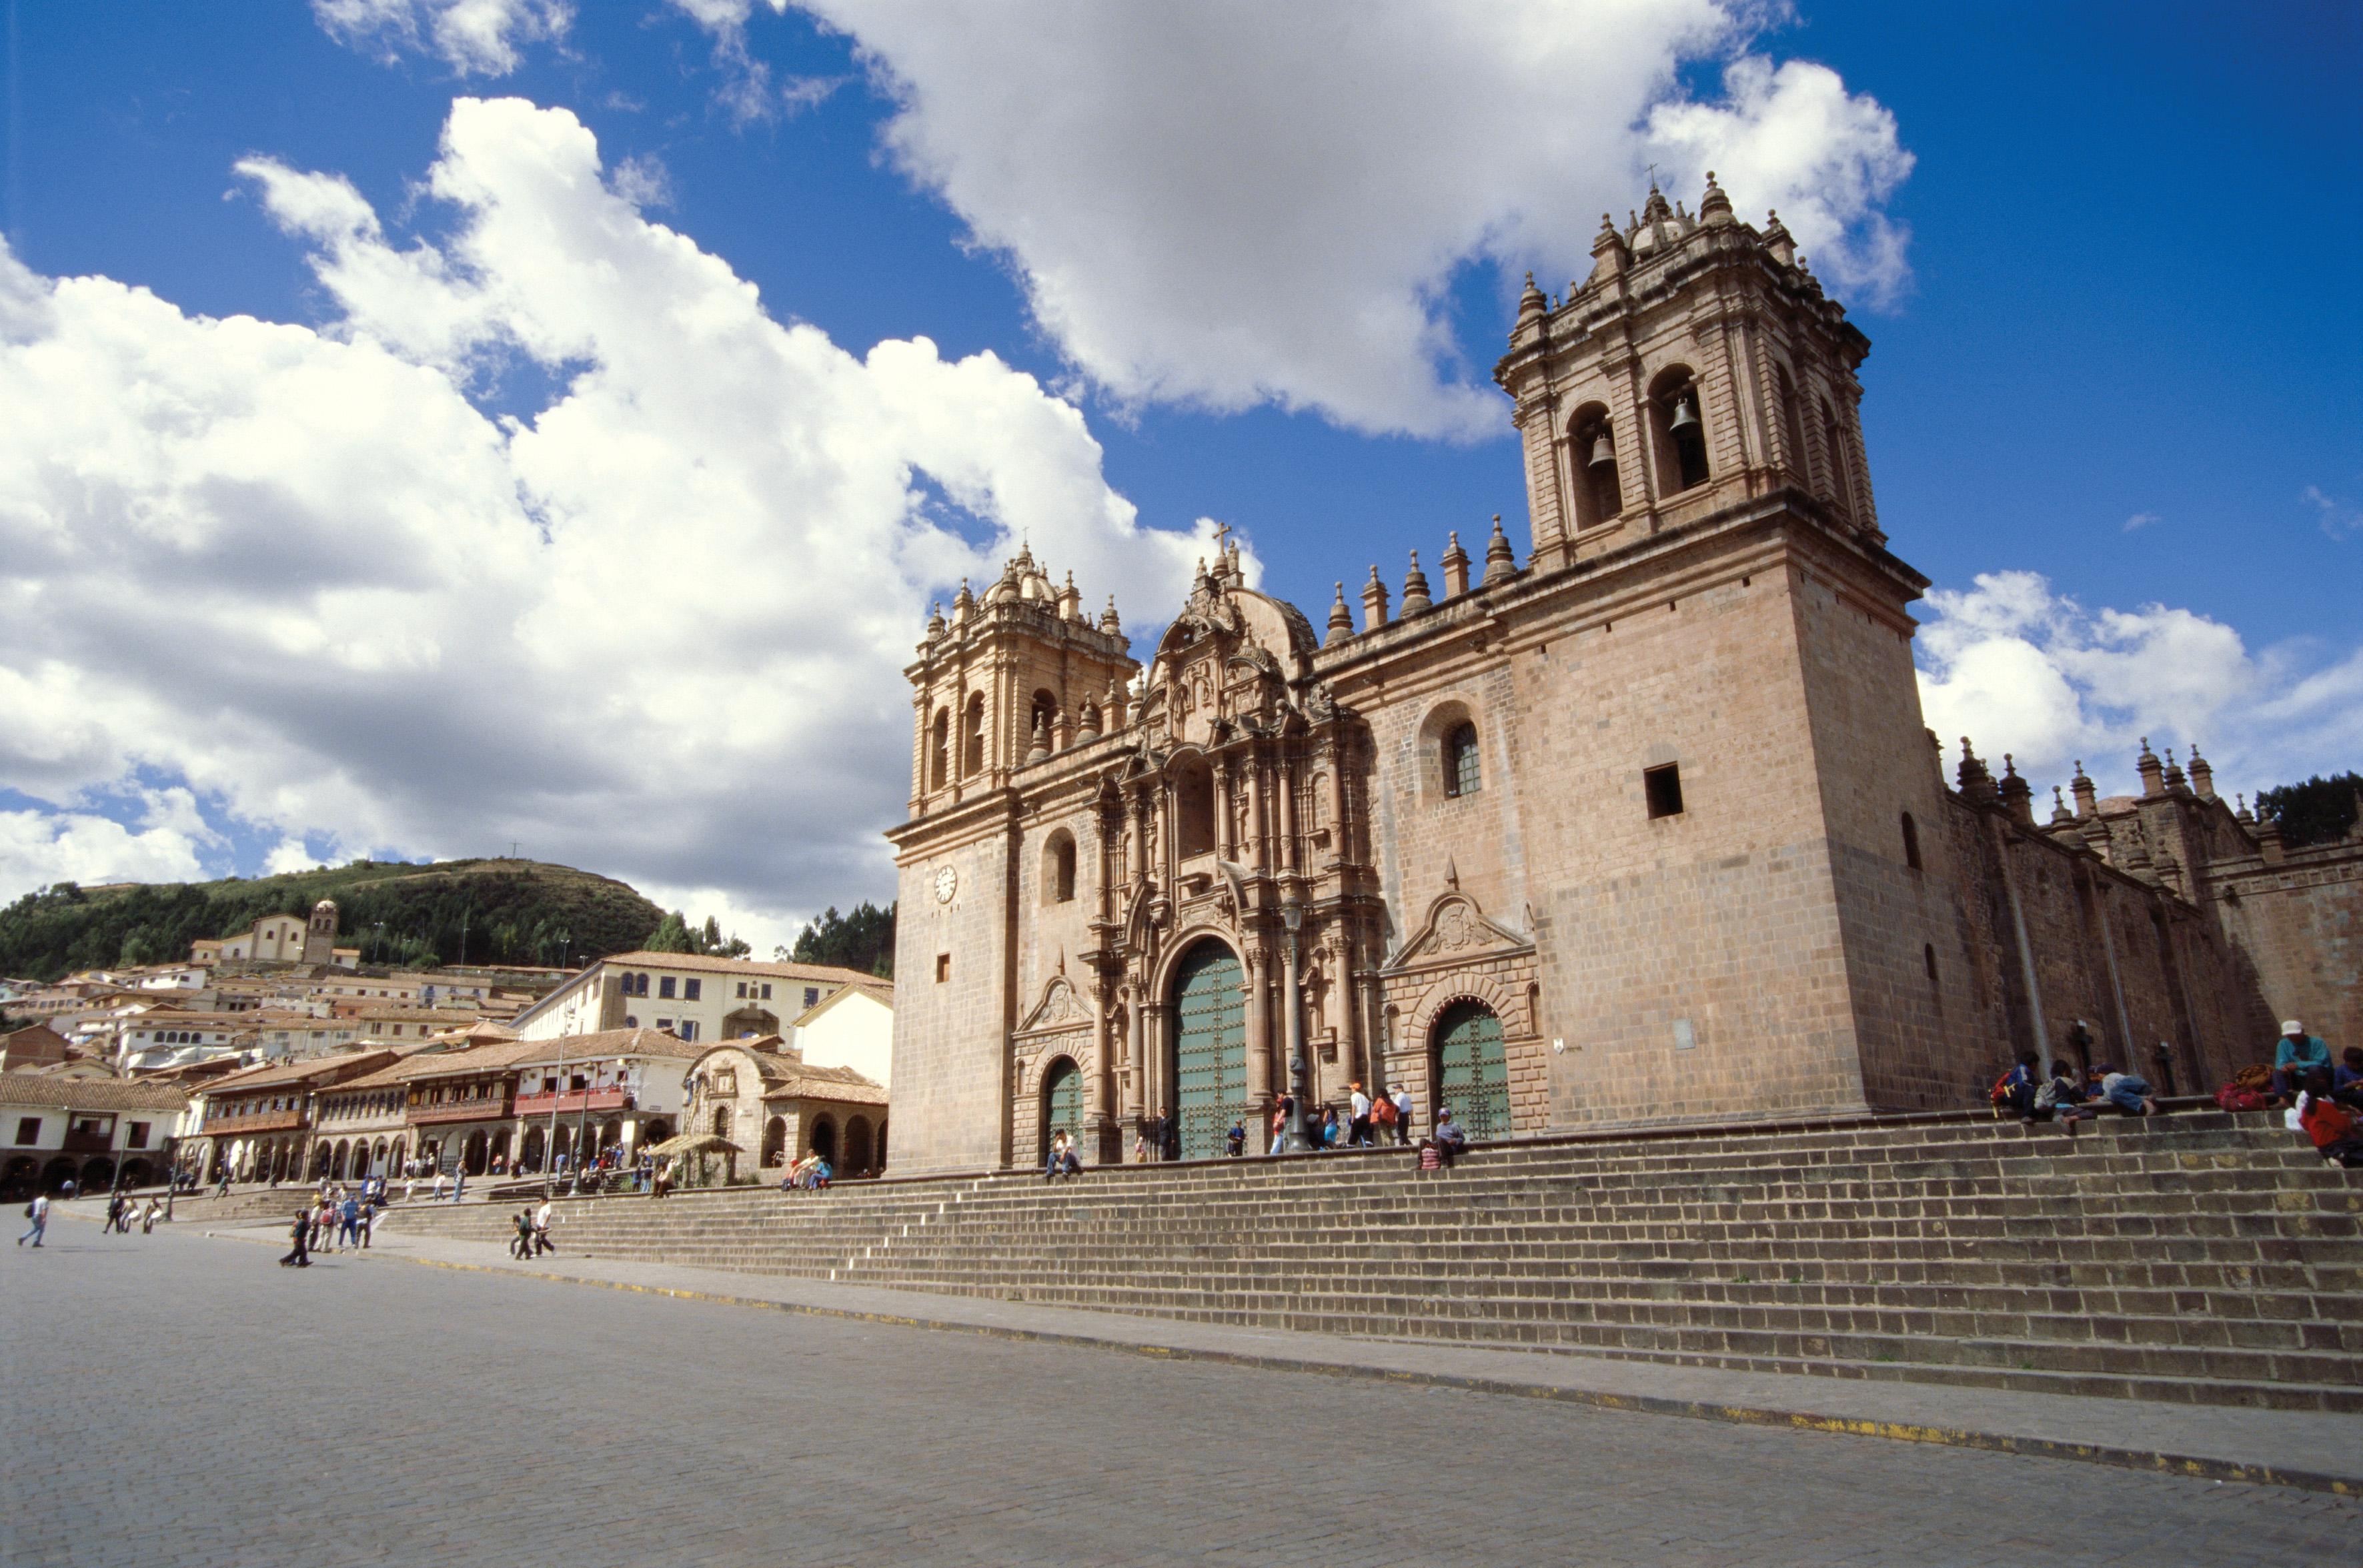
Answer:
(1643, 827)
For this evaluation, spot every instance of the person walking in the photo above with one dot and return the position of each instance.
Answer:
(459, 1181)
(348, 1222)
(37, 1211)
(521, 1245)
(1357, 1131)
(148, 1218)
(541, 1242)
(1402, 1116)
(300, 1255)
(440, 1182)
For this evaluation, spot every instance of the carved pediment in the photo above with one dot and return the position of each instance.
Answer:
(1061, 1008)
(1457, 929)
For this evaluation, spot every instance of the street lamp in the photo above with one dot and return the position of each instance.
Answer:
(1291, 917)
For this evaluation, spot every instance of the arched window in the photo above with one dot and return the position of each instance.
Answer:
(1598, 494)
(972, 737)
(1043, 721)
(1460, 775)
(1793, 424)
(1911, 842)
(1841, 479)
(775, 1141)
(722, 1121)
(1058, 868)
(939, 748)
(1193, 809)
(1680, 415)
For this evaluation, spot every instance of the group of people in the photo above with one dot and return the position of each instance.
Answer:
(335, 1219)
(123, 1208)
(2068, 1095)
(811, 1174)
(1365, 1122)
(532, 1238)
(2320, 1098)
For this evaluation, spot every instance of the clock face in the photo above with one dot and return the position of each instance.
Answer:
(946, 883)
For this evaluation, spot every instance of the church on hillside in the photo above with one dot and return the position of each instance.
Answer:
(1643, 828)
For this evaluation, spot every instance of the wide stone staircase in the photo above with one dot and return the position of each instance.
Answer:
(2195, 1257)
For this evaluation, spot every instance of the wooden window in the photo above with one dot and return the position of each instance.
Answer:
(1461, 763)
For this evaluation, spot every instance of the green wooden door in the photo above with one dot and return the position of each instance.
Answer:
(1472, 1076)
(1210, 1047)
(1062, 1105)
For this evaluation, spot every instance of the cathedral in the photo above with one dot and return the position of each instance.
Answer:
(1644, 828)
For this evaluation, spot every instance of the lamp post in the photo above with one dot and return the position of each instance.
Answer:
(550, 1144)
(1291, 916)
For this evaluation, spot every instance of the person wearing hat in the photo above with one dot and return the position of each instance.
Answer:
(2297, 1057)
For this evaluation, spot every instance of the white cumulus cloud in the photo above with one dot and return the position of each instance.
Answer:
(166, 843)
(653, 626)
(474, 37)
(2018, 667)
(1228, 206)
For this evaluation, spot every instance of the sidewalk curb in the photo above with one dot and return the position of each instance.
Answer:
(2158, 1461)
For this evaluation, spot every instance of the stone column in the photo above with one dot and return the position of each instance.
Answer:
(1260, 1073)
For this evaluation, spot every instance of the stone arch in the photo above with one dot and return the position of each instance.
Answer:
(1446, 720)
(1599, 490)
(1206, 986)
(821, 1137)
(857, 1146)
(322, 1159)
(1058, 867)
(475, 1154)
(1681, 446)
(529, 1154)
(1059, 1101)
(775, 1141)
(939, 748)
(97, 1172)
(23, 1171)
(1190, 778)
(56, 1173)
(136, 1173)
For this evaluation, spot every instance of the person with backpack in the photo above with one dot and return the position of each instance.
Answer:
(1385, 1118)
(2016, 1087)
(37, 1211)
(1235, 1142)
(2330, 1124)
(521, 1244)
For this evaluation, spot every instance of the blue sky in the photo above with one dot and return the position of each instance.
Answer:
(2105, 256)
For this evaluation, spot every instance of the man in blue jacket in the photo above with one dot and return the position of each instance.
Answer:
(2297, 1057)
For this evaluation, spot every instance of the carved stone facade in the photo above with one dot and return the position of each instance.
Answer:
(1646, 829)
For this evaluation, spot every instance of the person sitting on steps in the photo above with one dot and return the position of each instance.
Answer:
(1063, 1160)
(2062, 1096)
(1447, 1139)
(2127, 1092)
(2017, 1087)
(2330, 1124)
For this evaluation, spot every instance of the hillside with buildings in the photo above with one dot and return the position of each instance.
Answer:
(472, 911)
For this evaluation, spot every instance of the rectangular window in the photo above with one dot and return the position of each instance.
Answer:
(138, 1136)
(943, 967)
(664, 986)
(1664, 786)
(767, 991)
(689, 1028)
(742, 990)
(691, 990)
(664, 1023)
(812, 997)
(29, 1129)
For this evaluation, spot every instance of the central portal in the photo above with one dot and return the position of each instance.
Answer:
(1210, 1047)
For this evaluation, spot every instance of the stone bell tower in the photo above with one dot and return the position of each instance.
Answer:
(1017, 676)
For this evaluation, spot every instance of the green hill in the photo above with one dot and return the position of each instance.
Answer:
(510, 912)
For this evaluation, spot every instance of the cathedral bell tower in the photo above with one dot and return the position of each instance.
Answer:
(1698, 366)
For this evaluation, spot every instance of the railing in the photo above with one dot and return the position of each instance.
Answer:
(459, 1110)
(268, 1121)
(573, 1100)
(79, 1142)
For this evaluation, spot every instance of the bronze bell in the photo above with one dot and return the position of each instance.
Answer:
(1685, 417)
(1604, 453)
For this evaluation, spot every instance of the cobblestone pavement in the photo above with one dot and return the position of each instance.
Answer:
(185, 1402)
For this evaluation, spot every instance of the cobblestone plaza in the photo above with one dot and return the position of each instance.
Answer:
(370, 1410)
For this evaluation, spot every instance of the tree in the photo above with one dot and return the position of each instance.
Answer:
(2319, 811)
(671, 935)
(863, 941)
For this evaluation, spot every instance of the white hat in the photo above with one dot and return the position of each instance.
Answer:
(2291, 1026)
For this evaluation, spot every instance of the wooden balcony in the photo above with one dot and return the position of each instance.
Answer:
(267, 1121)
(572, 1100)
(459, 1110)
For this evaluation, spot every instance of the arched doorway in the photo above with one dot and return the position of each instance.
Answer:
(775, 1141)
(98, 1174)
(656, 1131)
(530, 1158)
(857, 1146)
(1062, 1103)
(1210, 1047)
(23, 1171)
(321, 1154)
(56, 1173)
(472, 1153)
(1472, 1076)
(823, 1140)
(136, 1173)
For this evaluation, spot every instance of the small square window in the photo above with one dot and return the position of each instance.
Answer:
(943, 967)
(692, 990)
(1664, 787)
(29, 1129)
(812, 997)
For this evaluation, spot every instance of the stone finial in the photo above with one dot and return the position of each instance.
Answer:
(964, 606)
(1456, 568)
(1341, 620)
(2138, 858)
(1415, 596)
(2088, 801)
(1777, 238)
(2153, 776)
(1713, 207)
(2175, 782)
(1115, 704)
(2060, 816)
(1109, 621)
(2202, 777)
(1040, 749)
(1501, 561)
(1070, 601)
(2269, 837)
(1531, 302)
(1451, 872)
(1977, 785)
(935, 621)
(2017, 796)
(1089, 724)
(1374, 601)
(1609, 253)
(2243, 813)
